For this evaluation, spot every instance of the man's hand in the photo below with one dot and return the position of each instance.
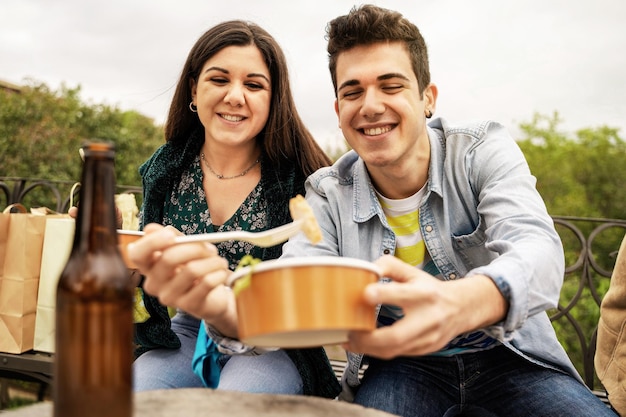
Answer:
(435, 311)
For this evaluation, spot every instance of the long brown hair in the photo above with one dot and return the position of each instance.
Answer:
(284, 137)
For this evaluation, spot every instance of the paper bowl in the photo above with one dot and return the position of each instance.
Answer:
(124, 237)
(303, 302)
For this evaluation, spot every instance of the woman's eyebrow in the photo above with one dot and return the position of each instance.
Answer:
(254, 74)
(225, 71)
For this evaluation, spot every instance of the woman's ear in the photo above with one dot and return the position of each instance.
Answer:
(194, 89)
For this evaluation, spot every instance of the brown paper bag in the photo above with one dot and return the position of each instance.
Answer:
(57, 245)
(21, 242)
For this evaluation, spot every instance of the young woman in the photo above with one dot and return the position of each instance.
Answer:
(236, 151)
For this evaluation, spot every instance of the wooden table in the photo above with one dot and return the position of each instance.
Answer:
(196, 402)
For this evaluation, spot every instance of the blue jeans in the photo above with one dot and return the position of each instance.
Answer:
(170, 368)
(491, 383)
(270, 373)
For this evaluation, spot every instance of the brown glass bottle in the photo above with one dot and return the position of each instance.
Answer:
(94, 327)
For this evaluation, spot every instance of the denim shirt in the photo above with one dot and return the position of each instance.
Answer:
(481, 214)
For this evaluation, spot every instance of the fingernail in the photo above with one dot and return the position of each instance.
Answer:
(167, 233)
(371, 292)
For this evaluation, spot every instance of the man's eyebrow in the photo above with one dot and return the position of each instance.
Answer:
(225, 71)
(349, 83)
(392, 75)
(388, 76)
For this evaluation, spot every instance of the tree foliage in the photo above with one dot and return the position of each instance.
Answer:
(583, 175)
(41, 131)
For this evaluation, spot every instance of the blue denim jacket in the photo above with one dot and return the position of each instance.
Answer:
(481, 214)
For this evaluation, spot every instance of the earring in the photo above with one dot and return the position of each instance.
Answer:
(429, 114)
(192, 107)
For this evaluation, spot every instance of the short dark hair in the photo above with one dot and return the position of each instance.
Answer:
(368, 24)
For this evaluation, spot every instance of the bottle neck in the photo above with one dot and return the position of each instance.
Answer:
(96, 220)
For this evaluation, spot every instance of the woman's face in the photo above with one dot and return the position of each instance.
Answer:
(233, 95)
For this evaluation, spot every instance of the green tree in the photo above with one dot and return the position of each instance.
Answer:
(41, 131)
(579, 175)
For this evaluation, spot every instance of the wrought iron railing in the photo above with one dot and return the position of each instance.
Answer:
(34, 192)
(590, 246)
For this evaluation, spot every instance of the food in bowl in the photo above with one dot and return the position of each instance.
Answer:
(124, 237)
(300, 210)
(303, 302)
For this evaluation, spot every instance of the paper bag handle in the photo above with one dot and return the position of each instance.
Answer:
(19, 207)
(76, 184)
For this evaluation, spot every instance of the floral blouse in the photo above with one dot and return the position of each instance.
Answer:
(187, 210)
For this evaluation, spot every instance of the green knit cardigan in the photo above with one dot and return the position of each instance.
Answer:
(160, 174)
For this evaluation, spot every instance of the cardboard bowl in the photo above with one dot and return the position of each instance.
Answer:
(303, 302)
(124, 237)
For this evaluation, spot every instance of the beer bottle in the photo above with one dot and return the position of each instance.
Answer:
(94, 324)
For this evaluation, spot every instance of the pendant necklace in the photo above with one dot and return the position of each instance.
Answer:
(220, 176)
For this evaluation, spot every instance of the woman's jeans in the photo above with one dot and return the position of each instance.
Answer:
(170, 368)
(272, 373)
(495, 382)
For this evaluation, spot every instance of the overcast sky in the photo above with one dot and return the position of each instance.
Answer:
(491, 59)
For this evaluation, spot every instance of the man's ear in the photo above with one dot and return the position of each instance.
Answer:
(337, 107)
(430, 96)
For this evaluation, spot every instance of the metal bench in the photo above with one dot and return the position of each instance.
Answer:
(585, 237)
(29, 366)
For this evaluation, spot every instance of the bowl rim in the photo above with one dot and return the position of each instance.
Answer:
(304, 261)
(130, 232)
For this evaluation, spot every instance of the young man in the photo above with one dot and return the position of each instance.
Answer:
(477, 261)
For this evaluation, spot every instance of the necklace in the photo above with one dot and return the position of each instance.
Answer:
(220, 176)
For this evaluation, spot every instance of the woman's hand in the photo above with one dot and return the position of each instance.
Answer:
(187, 276)
(73, 212)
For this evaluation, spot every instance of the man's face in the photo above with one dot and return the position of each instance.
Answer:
(380, 110)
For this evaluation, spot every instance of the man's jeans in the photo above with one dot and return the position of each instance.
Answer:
(495, 382)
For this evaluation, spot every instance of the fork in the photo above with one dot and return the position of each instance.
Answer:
(262, 239)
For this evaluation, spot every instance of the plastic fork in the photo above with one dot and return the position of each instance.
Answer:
(262, 239)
